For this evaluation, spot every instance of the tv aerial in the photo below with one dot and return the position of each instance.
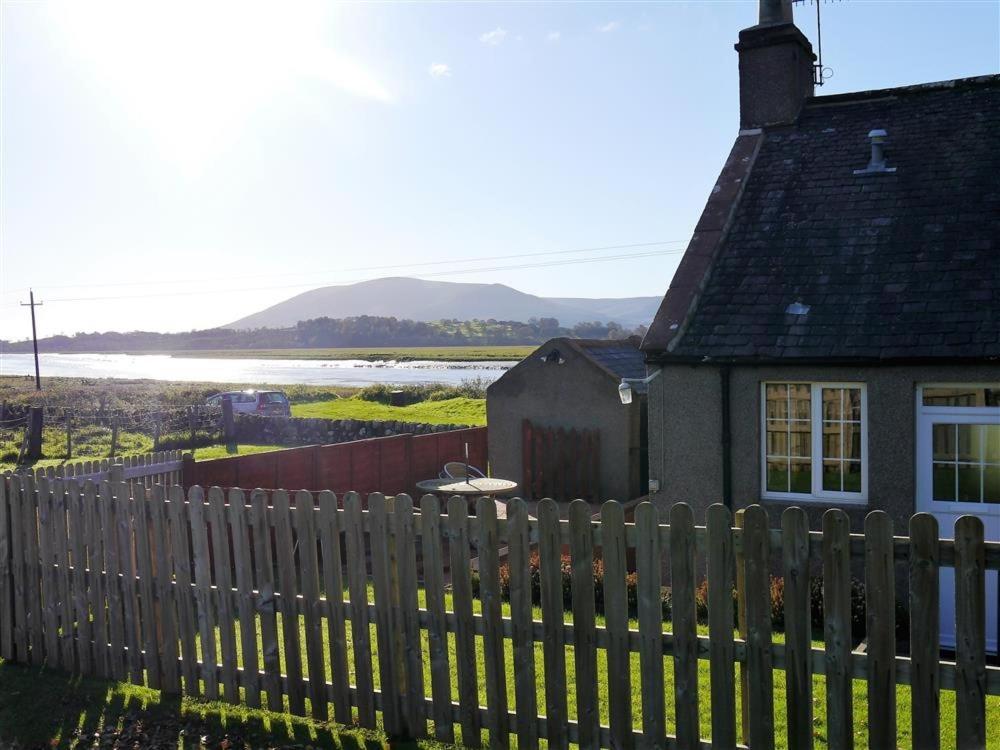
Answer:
(820, 72)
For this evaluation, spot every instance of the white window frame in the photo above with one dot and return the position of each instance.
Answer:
(818, 494)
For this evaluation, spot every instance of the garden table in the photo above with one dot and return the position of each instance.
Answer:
(475, 486)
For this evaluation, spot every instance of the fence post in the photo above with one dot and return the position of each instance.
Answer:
(741, 623)
(114, 434)
(228, 425)
(69, 435)
(33, 439)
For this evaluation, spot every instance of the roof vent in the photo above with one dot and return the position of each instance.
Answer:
(797, 308)
(877, 161)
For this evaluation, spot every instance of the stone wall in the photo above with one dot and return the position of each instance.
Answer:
(253, 429)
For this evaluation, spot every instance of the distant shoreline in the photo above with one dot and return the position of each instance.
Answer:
(368, 354)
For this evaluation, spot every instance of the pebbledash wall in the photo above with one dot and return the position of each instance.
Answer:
(253, 429)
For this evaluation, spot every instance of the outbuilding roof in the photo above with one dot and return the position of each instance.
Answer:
(820, 259)
(617, 358)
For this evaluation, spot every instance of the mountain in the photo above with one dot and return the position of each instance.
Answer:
(416, 299)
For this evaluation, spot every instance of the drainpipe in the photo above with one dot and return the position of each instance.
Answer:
(727, 475)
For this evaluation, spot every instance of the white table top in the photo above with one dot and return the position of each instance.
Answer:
(474, 486)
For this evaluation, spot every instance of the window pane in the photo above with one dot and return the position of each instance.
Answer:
(852, 476)
(801, 477)
(801, 440)
(963, 396)
(852, 404)
(966, 448)
(968, 483)
(801, 401)
(832, 476)
(991, 484)
(777, 441)
(777, 476)
(831, 440)
(943, 438)
(992, 439)
(944, 481)
(831, 404)
(777, 401)
(852, 441)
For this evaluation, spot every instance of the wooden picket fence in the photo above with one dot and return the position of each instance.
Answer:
(145, 469)
(205, 593)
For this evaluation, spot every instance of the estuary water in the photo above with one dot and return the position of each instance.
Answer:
(351, 372)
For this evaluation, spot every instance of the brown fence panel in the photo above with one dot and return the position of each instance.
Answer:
(559, 463)
(296, 469)
(180, 591)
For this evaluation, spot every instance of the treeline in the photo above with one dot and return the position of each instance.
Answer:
(361, 331)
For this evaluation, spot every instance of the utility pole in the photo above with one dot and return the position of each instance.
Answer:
(34, 335)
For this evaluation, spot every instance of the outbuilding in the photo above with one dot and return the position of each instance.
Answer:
(559, 427)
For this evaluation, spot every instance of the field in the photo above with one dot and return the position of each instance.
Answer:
(461, 410)
(371, 354)
(42, 708)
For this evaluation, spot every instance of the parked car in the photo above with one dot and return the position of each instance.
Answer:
(266, 403)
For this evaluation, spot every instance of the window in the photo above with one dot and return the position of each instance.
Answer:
(814, 441)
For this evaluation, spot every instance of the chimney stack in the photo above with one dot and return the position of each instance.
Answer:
(776, 68)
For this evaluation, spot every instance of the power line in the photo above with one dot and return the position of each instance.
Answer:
(314, 284)
(390, 267)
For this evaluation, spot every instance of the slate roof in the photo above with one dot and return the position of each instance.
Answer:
(892, 266)
(622, 359)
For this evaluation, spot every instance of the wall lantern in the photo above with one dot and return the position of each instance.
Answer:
(625, 388)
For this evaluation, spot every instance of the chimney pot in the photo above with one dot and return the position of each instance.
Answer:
(774, 11)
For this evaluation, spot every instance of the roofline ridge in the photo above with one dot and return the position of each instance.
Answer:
(913, 88)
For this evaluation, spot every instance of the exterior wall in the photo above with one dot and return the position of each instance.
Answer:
(575, 394)
(686, 434)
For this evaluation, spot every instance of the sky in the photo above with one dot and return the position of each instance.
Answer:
(176, 166)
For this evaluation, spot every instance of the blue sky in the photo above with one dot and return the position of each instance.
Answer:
(175, 166)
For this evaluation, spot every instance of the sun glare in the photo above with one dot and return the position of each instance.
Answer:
(193, 74)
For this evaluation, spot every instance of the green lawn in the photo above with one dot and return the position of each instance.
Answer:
(460, 410)
(220, 451)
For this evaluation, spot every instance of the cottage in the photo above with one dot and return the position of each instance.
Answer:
(558, 425)
(831, 337)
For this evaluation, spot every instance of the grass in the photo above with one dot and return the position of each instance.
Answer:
(220, 451)
(43, 708)
(471, 411)
(371, 354)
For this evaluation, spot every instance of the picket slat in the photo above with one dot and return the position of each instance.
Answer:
(757, 556)
(880, 616)
(721, 564)
(81, 606)
(925, 632)
(184, 593)
(616, 622)
(437, 629)
(798, 626)
(970, 632)
(360, 636)
(98, 578)
(650, 614)
(553, 646)
(47, 559)
(219, 527)
(685, 624)
(493, 650)
(285, 562)
(581, 543)
(19, 571)
(837, 629)
(61, 546)
(525, 692)
(409, 607)
(330, 531)
(240, 525)
(465, 643)
(163, 557)
(33, 563)
(113, 567)
(305, 528)
(203, 592)
(267, 604)
(146, 587)
(384, 611)
(6, 591)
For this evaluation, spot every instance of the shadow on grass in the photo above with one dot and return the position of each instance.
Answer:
(41, 708)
